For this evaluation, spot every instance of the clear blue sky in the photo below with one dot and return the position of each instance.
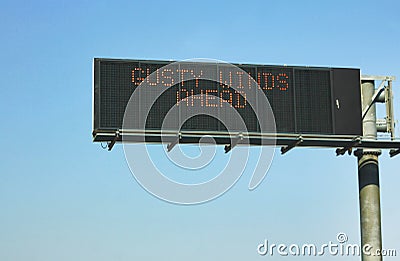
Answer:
(64, 198)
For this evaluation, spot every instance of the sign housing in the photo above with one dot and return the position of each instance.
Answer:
(308, 101)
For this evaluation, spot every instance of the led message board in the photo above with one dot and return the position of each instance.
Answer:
(304, 100)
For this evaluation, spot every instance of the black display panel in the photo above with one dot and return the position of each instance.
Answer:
(304, 100)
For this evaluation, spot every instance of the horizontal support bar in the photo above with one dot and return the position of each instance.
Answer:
(377, 78)
(252, 139)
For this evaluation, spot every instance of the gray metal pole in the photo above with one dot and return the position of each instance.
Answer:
(368, 180)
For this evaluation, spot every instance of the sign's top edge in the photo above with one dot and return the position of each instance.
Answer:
(120, 60)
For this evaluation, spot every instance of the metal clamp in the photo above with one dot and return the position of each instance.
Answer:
(174, 142)
(292, 145)
(349, 148)
(394, 152)
(111, 144)
(234, 142)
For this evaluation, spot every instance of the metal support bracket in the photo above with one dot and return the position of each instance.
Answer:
(390, 120)
(393, 152)
(111, 144)
(174, 142)
(349, 148)
(374, 98)
(234, 142)
(292, 145)
(385, 88)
